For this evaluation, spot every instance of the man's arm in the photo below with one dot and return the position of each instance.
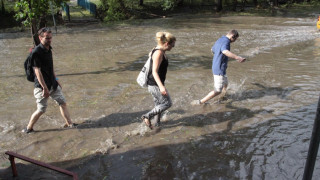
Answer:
(231, 55)
(45, 92)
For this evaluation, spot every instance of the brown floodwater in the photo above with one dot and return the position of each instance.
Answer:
(260, 131)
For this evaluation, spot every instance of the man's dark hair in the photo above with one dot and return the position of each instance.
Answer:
(44, 30)
(234, 33)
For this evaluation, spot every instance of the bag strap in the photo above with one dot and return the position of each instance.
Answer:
(151, 61)
(152, 51)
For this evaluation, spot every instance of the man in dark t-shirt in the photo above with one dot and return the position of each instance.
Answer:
(46, 83)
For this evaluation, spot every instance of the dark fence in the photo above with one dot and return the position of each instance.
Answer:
(88, 6)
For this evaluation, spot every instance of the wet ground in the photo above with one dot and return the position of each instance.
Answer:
(260, 131)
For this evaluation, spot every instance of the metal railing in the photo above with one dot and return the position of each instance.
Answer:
(13, 155)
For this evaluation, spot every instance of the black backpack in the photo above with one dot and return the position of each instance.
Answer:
(28, 66)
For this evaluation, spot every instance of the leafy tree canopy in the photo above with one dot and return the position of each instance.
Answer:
(28, 11)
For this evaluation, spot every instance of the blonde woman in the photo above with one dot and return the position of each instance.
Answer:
(157, 77)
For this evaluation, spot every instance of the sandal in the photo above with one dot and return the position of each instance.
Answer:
(27, 131)
(73, 125)
(147, 122)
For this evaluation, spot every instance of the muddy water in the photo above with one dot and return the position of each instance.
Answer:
(260, 131)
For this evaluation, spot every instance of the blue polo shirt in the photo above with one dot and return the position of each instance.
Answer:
(220, 61)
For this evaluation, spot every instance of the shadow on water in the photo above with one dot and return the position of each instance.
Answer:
(199, 158)
(198, 120)
(201, 120)
(281, 93)
(177, 62)
(221, 155)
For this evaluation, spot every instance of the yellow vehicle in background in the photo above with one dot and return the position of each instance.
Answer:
(318, 23)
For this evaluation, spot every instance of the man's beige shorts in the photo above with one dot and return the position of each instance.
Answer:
(219, 82)
(42, 102)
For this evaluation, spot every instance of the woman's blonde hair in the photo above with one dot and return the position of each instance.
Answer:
(163, 37)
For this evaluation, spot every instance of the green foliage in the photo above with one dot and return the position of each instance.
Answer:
(103, 4)
(315, 2)
(29, 10)
(168, 5)
(115, 10)
(102, 9)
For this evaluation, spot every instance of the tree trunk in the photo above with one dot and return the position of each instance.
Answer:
(59, 17)
(141, 2)
(34, 29)
(243, 5)
(34, 32)
(2, 7)
(180, 3)
(43, 21)
(235, 3)
(255, 2)
(219, 5)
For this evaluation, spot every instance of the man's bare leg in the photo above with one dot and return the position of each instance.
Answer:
(65, 114)
(211, 95)
(34, 118)
(223, 93)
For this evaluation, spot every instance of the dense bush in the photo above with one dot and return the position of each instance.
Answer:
(115, 10)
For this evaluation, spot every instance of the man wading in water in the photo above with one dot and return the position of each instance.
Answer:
(221, 50)
(46, 83)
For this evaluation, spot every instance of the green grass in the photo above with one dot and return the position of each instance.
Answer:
(97, 2)
(79, 12)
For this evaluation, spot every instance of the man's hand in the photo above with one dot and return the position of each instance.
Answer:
(45, 92)
(233, 56)
(240, 59)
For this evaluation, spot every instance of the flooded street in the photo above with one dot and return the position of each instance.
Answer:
(260, 131)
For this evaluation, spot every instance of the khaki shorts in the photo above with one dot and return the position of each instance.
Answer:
(42, 102)
(220, 82)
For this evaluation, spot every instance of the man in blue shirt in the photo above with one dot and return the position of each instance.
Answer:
(221, 51)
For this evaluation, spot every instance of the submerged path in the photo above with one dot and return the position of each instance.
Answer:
(260, 132)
